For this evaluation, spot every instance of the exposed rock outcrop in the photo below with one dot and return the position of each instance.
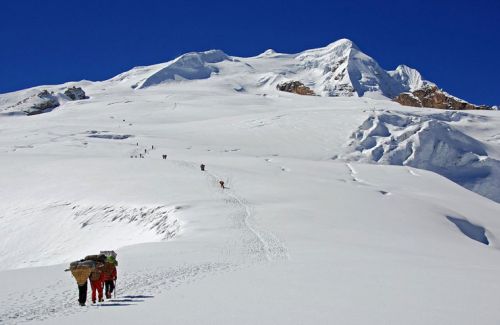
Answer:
(45, 100)
(295, 87)
(433, 97)
(75, 93)
(42, 102)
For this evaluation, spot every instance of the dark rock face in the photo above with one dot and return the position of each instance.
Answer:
(408, 99)
(75, 93)
(433, 97)
(46, 101)
(341, 90)
(295, 87)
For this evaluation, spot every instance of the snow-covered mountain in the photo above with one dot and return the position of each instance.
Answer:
(339, 69)
(344, 207)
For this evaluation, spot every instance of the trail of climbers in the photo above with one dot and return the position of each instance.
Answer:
(52, 298)
(271, 247)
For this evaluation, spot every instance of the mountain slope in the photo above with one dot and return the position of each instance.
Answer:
(328, 215)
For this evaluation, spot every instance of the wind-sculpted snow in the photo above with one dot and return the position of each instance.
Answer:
(190, 66)
(82, 229)
(427, 142)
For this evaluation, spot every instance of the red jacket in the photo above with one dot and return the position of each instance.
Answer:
(97, 274)
(109, 272)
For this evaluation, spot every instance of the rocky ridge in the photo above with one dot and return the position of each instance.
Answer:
(433, 97)
(295, 87)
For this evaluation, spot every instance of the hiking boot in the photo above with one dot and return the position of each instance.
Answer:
(101, 300)
(82, 304)
(93, 301)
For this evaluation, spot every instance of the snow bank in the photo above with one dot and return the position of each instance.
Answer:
(64, 231)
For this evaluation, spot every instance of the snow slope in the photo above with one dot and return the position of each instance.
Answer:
(317, 224)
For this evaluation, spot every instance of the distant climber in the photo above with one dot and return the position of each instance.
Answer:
(145, 150)
(152, 147)
(109, 275)
(222, 184)
(202, 167)
(164, 156)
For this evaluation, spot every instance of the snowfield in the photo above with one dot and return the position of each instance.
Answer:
(348, 210)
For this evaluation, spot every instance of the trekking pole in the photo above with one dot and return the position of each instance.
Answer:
(115, 290)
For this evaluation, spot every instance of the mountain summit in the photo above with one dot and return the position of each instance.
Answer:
(338, 69)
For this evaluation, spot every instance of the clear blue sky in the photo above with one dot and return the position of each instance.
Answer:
(453, 43)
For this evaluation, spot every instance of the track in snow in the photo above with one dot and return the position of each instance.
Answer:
(353, 173)
(265, 244)
(54, 299)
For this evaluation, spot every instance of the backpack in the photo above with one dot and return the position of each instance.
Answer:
(82, 264)
(96, 258)
(108, 253)
(97, 272)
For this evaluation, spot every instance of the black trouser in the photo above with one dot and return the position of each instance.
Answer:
(110, 286)
(82, 293)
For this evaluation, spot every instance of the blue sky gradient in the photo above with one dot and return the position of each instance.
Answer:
(453, 43)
